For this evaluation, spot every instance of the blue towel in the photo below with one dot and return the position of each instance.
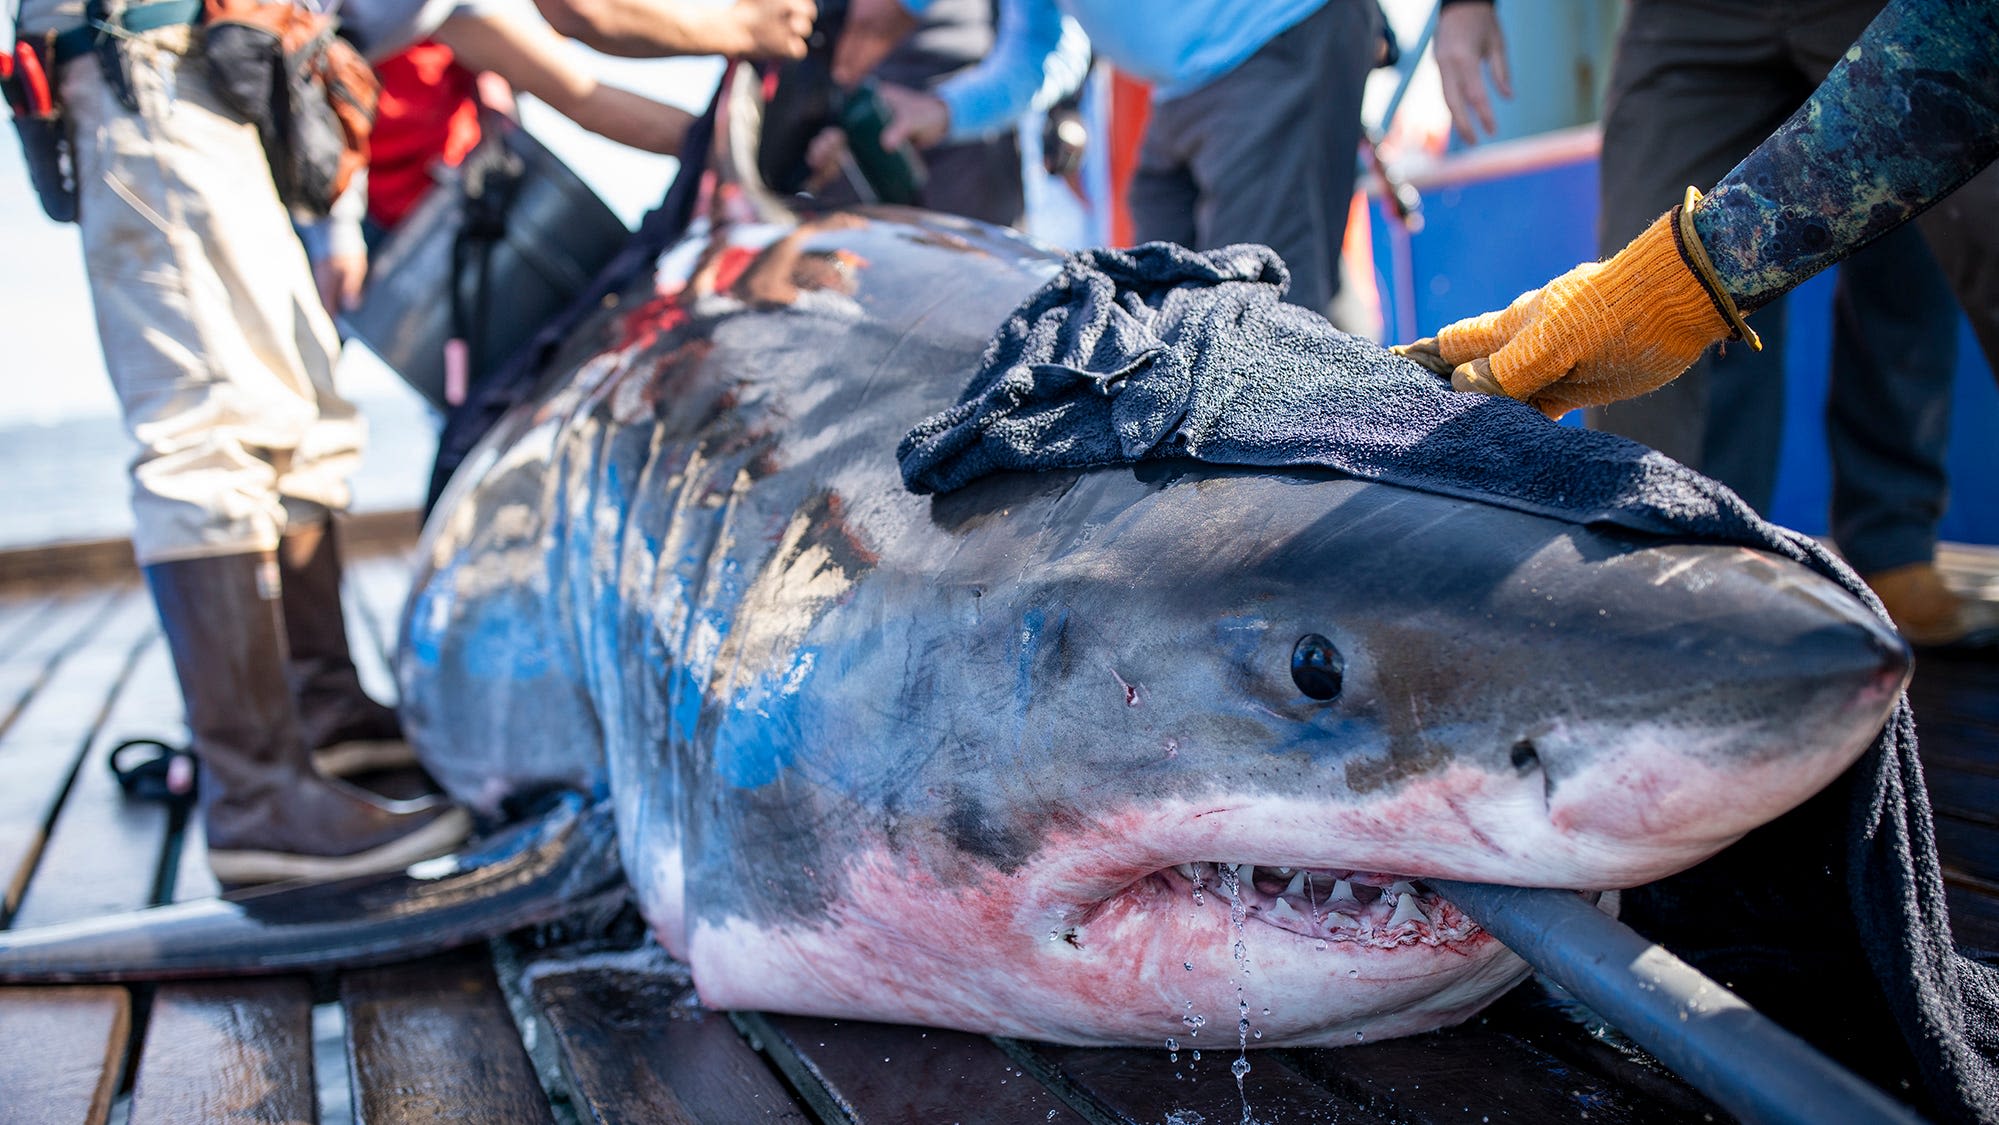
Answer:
(1163, 352)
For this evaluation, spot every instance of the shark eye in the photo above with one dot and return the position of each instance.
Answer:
(1524, 756)
(1317, 667)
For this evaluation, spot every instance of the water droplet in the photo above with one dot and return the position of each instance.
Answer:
(1353, 972)
(1172, 1044)
(1197, 1056)
(1239, 1068)
(1266, 1011)
(1187, 965)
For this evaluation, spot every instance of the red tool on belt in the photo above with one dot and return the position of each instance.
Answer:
(27, 82)
(33, 80)
(14, 101)
(44, 134)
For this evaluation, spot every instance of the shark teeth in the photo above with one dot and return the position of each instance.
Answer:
(1364, 908)
(1406, 910)
(1342, 899)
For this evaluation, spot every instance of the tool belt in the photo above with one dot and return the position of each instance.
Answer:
(29, 73)
(279, 65)
(309, 93)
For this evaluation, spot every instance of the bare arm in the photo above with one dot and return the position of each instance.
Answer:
(1469, 47)
(532, 60)
(874, 28)
(651, 28)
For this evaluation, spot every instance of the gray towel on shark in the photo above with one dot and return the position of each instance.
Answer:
(1160, 352)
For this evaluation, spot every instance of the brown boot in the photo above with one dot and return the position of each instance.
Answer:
(348, 731)
(1930, 614)
(268, 814)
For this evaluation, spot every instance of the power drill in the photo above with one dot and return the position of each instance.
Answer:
(894, 177)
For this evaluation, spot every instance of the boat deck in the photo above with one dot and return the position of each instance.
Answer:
(531, 1029)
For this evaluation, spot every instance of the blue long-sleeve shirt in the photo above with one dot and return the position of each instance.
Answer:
(1178, 47)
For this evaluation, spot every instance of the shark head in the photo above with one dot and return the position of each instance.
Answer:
(1193, 755)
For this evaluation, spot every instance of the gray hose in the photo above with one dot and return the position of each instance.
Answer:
(1705, 1033)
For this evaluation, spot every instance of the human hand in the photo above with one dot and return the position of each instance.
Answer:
(773, 29)
(1468, 44)
(1602, 332)
(825, 156)
(915, 117)
(339, 278)
(872, 30)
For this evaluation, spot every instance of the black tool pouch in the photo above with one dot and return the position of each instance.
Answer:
(310, 94)
(51, 160)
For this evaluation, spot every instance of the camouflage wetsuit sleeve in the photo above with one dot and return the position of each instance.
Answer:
(1907, 116)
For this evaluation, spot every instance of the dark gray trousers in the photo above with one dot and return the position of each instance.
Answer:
(1695, 86)
(1267, 152)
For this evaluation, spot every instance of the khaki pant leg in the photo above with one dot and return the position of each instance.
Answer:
(213, 335)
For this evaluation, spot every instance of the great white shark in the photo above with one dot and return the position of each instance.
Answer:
(1086, 756)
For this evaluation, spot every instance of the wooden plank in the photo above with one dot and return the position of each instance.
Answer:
(1955, 706)
(21, 609)
(1970, 848)
(43, 753)
(227, 1051)
(1489, 1073)
(192, 877)
(853, 1070)
(1532, 1014)
(376, 588)
(103, 854)
(635, 1049)
(1970, 797)
(1143, 1087)
(37, 649)
(432, 1041)
(1974, 917)
(64, 1047)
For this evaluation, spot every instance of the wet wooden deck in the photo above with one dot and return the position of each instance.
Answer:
(516, 1032)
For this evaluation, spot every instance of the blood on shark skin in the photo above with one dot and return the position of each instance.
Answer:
(976, 760)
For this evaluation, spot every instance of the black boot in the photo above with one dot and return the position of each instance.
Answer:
(269, 815)
(347, 730)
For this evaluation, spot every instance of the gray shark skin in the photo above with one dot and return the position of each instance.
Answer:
(990, 760)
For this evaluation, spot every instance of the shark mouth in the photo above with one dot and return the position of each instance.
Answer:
(1363, 908)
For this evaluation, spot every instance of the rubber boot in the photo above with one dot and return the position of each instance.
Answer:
(268, 814)
(1932, 615)
(347, 730)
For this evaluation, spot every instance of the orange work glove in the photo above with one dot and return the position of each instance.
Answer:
(1601, 332)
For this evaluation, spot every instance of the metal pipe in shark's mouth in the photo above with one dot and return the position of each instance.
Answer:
(1725, 1048)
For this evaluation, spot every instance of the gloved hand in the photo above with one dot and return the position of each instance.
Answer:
(1602, 332)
